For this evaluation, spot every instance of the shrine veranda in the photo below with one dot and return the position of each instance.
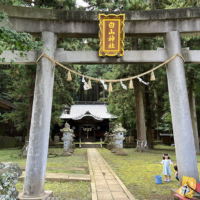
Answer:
(53, 24)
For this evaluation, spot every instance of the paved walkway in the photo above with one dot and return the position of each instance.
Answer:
(106, 185)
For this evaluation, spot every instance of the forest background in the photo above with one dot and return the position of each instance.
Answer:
(17, 81)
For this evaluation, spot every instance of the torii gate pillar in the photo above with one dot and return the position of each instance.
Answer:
(180, 110)
(40, 123)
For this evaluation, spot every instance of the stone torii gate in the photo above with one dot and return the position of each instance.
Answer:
(50, 24)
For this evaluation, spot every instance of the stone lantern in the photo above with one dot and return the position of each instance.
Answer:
(73, 145)
(67, 139)
(119, 137)
(106, 137)
(114, 143)
(110, 145)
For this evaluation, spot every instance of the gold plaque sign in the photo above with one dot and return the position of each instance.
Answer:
(111, 35)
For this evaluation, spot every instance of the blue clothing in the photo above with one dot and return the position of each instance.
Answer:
(166, 167)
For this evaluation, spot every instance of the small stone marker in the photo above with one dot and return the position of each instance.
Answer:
(56, 139)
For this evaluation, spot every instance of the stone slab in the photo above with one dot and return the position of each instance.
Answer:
(110, 177)
(119, 195)
(53, 177)
(104, 196)
(59, 168)
(115, 188)
(106, 170)
(98, 174)
(102, 188)
(107, 174)
(46, 194)
(99, 178)
(112, 182)
(100, 182)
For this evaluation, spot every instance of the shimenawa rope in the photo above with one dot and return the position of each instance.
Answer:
(110, 81)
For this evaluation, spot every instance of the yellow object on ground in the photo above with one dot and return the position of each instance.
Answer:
(187, 184)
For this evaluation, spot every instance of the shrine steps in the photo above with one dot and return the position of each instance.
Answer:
(90, 145)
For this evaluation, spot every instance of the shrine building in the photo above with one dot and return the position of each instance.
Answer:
(88, 119)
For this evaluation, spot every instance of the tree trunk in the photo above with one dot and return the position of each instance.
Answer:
(148, 117)
(81, 92)
(140, 119)
(32, 86)
(104, 94)
(97, 88)
(193, 112)
(156, 112)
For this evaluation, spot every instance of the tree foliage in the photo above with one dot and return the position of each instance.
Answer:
(12, 40)
(18, 81)
(120, 102)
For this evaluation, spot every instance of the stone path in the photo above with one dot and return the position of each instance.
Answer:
(105, 184)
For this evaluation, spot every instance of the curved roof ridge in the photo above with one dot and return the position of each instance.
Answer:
(87, 114)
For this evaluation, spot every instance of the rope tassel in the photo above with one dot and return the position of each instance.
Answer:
(89, 84)
(110, 87)
(69, 77)
(131, 84)
(152, 76)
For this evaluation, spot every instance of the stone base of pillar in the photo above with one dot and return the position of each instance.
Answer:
(109, 146)
(114, 150)
(71, 150)
(65, 153)
(26, 138)
(46, 194)
(106, 141)
(24, 153)
(73, 146)
(121, 152)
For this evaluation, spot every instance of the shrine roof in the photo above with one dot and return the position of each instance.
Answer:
(97, 110)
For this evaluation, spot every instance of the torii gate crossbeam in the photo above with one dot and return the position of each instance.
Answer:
(92, 57)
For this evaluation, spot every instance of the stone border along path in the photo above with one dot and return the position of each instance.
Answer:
(105, 184)
(62, 177)
(60, 168)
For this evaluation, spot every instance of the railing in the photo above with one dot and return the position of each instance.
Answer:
(166, 134)
(79, 142)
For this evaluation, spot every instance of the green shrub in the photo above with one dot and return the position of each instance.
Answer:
(7, 142)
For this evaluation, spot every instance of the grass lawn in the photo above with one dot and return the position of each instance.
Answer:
(79, 190)
(137, 171)
(160, 146)
(78, 159)
(65, 190)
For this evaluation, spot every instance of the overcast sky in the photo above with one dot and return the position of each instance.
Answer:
(81, 3)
